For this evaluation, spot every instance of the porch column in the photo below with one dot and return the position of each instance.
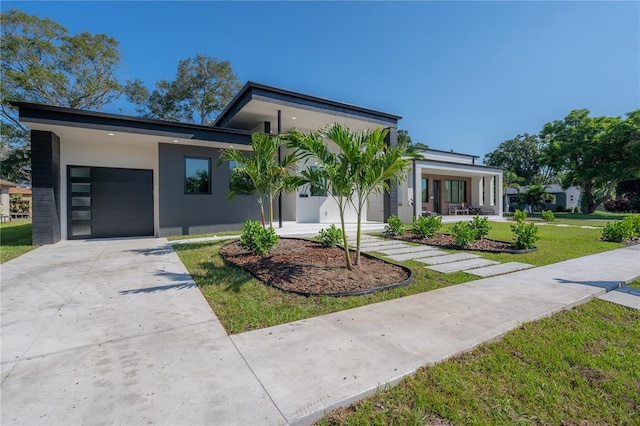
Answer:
(391, 198)
(417, 189)
(489, 199)
(476, 191)
(500, 193)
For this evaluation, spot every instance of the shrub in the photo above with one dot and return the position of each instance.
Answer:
(618, 205)
(617, 231)
(463, 234)
(634, 223)
(330, 237)
(480, 226)
(547, 216)
(257, 239)
(519, 215)
(525, 235)
(394, 226)
(426, 227)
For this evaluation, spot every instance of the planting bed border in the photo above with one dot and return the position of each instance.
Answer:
(349, 293)
(509, 251)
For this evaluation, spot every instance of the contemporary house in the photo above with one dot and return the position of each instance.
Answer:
(558, 198)
(106, 175)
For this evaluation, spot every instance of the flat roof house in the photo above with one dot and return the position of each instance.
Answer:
(106, 175)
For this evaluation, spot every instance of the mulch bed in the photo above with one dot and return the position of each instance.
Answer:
(305, 267)
(447, 242)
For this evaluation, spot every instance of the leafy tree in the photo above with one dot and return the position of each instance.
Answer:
(42, 63)
(594, 153)
(260, 173)
(405, 139)
(363, 165)
(522, 156)
(203, 86)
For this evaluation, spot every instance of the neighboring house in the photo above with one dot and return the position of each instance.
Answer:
(106, 175)
(21, 200)
(5, 203)
(558, 197)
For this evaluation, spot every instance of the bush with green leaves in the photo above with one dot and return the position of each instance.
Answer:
(256, 239)
(463, 234)
(330, 237)
(394, 226)
(547, 216)
(617, 231)
(525, 235)
(480, 226)
(519, 215)
(634, 223)
(426, 226)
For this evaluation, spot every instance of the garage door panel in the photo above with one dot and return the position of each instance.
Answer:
(110, 202)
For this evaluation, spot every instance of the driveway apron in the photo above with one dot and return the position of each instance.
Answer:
(116, 331)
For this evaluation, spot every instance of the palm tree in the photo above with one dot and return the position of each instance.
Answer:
(260, 173)
(363, 165)
(534, 196)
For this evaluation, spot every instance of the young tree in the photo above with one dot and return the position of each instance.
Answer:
(260, 173)
(534, 197)
(203, 86)
(363, 165)
(594, 153)
(522, 156)
(42, 63)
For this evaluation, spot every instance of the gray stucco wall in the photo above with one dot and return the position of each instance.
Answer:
(182, 214)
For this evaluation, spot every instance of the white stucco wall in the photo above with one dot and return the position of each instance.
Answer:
(107, 153)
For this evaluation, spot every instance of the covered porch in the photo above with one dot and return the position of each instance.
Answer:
(453, 191)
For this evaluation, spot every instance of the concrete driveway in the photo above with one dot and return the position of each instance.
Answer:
(116, 331)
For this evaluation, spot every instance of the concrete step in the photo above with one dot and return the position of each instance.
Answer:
(406, 249)
(417, 256)
(448, 258)
(503, 268)
(462, 265)
(625, 296)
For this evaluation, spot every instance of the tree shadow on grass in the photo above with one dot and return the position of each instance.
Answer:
(226, 277)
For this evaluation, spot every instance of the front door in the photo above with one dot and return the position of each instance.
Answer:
(436, 196)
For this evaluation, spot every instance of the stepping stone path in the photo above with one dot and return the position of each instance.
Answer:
(437, 260)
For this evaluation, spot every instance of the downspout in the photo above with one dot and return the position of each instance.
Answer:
(279, 160)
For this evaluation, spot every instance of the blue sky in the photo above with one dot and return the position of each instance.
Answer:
(464, 75)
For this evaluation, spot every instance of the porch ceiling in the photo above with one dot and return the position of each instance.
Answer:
(452, 169)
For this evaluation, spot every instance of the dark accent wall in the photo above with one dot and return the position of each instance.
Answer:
(182, 214)
(45, 180)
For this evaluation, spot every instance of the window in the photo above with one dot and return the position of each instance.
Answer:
(425, 190)
(197, 172)
(455, 191)
(318, 189)
(238, 181)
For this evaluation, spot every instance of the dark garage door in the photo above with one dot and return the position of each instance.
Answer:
(109, 202)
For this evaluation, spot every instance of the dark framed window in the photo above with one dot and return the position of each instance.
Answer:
(425, 190)
(455, 191)
(197, 175)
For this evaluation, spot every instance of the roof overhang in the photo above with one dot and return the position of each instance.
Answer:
(68, 122)
(456, 169)
(256, 104)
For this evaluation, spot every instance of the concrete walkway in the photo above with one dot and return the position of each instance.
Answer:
(117, 332)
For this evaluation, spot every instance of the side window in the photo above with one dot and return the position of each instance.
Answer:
(318, 189)
(197, 175)
(238, 181)
(425, 190)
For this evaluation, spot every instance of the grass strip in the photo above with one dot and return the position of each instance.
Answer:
(576, 367)
(15, 239)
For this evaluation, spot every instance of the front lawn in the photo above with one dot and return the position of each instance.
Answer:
(15, 239)
(243, 303)
(578, 367)
(556, 243)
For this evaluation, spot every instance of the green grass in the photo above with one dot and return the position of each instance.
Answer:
(555, 244)
(635, 283)
(243, 303)
(15, 239)
(212, 234)
(578, 367)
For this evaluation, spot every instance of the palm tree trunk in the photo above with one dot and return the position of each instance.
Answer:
(345, 244)
(359, 233)
(264, 225)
